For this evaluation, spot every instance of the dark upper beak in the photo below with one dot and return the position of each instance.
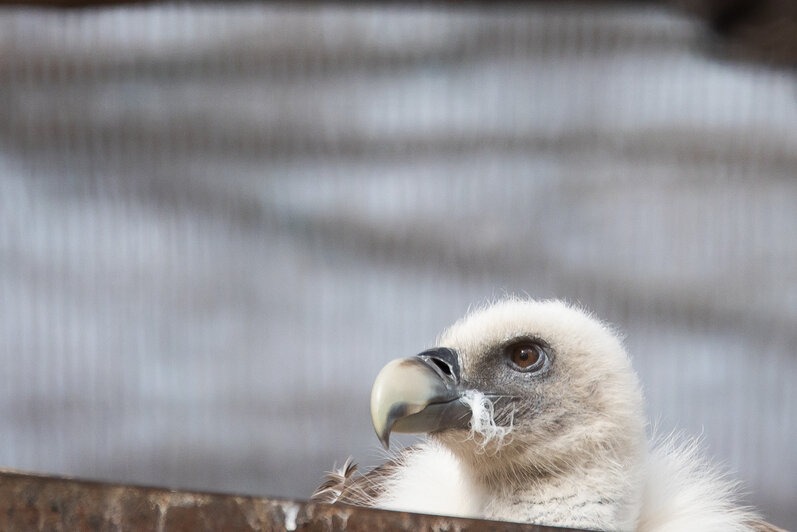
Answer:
(419, 394)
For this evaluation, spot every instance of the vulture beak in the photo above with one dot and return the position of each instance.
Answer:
(419, 394)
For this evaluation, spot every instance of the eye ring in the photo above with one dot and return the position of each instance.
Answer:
(527, 356)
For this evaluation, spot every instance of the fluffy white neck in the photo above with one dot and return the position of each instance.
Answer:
(433, 480)
(587, 498)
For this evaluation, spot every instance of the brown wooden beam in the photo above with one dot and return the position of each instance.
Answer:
(36, 502)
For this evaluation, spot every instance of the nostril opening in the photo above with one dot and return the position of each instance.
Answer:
(446, 363)
(445, 368)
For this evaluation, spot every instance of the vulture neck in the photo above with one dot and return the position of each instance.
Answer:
(597, 487)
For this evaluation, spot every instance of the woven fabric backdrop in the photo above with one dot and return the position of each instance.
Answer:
(218, 222)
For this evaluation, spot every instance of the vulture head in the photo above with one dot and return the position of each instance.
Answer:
(519, 387)
(534, 414)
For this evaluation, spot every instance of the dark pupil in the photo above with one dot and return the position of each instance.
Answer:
(525, 356)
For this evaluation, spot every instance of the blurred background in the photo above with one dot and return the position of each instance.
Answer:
(218, 222)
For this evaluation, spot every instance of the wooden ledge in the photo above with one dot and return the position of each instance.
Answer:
(37, 502)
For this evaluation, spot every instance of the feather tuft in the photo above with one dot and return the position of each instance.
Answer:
(335, 483)
(483, 428)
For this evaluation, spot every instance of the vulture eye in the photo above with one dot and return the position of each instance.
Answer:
(526, 356)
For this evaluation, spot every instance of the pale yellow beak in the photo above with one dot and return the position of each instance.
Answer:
(415, 395)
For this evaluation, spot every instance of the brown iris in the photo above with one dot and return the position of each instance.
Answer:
(525, 355)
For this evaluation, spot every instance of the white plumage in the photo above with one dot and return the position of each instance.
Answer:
(555, 433)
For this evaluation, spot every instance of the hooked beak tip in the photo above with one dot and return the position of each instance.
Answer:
(413, 395)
